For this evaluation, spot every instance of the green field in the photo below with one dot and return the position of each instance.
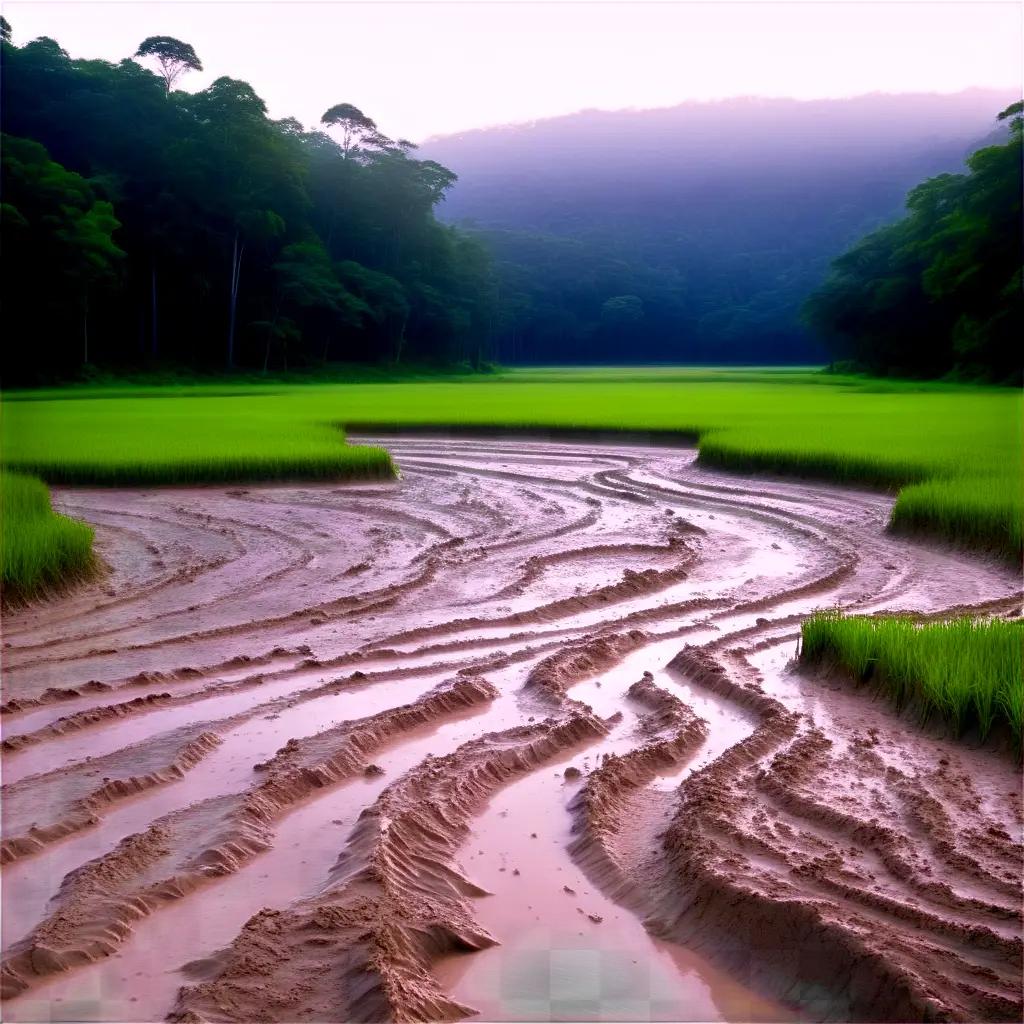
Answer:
(969, 674)
(180, 437)
(39, 549)
(955, 450)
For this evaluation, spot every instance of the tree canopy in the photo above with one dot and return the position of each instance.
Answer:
(148, 225)
(941, 289)
(172, 56)
(145, 225)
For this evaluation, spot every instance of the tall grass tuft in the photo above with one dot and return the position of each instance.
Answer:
(40, 550)
(969, 673)
(985, 513)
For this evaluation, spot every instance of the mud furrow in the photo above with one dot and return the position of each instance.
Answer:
(740, 886)
(795, 849)
(363, 949)
(97, 905)
(613, 806)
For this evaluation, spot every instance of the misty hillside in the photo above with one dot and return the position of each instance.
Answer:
(694, 232)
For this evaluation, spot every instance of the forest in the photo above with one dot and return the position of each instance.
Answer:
(150, 227)
(696, 233)
(942, 286)
(147, 225)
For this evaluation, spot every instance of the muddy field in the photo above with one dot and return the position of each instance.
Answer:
(518, 736)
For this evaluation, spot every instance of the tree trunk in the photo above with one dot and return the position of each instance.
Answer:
(236, 271)
(85, 333)
(400, 341)
(266, 351)
(153, 349)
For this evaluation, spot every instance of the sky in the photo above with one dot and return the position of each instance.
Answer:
(431, 68)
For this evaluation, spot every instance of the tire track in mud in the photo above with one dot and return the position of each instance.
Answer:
(587, 567)
(97, 904)
(760, 863)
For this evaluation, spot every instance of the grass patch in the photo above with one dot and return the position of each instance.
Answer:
(968, 673)
(956, 450)
(40, 550)
(187, 438)
(985, 513)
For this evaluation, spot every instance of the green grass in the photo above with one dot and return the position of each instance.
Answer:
(968, 673)
(984, 513)
(189, 436)
(956, 450)
(39, 550)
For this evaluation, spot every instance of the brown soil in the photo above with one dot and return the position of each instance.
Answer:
(269, 759)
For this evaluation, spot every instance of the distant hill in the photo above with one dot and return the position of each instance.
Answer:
(693, 232)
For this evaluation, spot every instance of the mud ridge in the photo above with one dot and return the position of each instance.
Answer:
(553, 676)
(362, 950)
(793, 910)
(613, 794)
(185, 673)
(84, 811)
(98, 903)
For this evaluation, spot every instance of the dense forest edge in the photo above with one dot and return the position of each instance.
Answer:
(146, 228)
(161, 238)
(145, 225)
(942, 289)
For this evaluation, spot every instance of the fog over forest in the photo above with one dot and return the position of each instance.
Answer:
(149, 226)
(696, 232)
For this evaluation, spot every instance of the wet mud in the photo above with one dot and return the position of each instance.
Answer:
(518, 736)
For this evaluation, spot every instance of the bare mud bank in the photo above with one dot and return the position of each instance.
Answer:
(526, 713)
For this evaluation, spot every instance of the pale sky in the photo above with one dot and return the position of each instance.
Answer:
(426, 68)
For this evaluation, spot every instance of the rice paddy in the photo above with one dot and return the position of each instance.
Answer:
(179, 439)
(39, 549)
(968, 673)
(955, 450)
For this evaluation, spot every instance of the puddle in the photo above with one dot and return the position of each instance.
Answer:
(554, 962)
(140, 981)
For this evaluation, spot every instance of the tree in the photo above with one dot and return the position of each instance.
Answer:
(63, 236)
(356, 128)
(254, 225)
(172, 56)
(5, 30)
(385, 300)
(312, 288)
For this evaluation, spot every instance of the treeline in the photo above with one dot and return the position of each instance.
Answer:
(940, 291)
(694, 233)
(144, 225)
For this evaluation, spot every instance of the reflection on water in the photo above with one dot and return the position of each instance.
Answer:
(555, 962)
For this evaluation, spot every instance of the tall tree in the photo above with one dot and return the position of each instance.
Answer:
(355, 127)
(173, 57)
(62, 235)
(245, 240)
